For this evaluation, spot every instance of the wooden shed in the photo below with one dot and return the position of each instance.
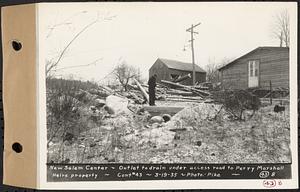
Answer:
(170, 70)
(257, 68)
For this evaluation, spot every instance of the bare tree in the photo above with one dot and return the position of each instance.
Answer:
(124, 73)
(212, 72)
(281, 28)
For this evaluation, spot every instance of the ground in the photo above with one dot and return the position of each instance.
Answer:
(200, 133)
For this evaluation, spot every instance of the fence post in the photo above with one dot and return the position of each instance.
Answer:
(271, 92)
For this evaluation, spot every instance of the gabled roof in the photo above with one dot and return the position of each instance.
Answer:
(258, 48)
(172, 64)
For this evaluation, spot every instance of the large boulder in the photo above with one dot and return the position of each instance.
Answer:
(196, 115)
(117, 104)
(156, 119)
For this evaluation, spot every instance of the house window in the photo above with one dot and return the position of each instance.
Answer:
(253, 68)
(256, 68)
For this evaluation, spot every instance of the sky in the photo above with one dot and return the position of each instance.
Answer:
(139, 33)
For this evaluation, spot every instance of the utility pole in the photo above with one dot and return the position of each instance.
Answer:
(191, 30)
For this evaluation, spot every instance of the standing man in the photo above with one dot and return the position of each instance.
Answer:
(151, 89)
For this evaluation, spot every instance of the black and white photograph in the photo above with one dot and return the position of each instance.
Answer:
(167, 83)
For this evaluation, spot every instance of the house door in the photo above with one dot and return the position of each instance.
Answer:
(253, 72)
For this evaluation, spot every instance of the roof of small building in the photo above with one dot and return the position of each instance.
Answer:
(254, 50)
(172, 64)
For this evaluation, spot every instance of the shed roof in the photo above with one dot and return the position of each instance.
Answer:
(172, 64)
(251, 52)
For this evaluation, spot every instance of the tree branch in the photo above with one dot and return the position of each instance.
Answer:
(68, 45)
(75, 66)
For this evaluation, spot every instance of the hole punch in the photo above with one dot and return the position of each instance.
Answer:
(17, 147)
(17, 46)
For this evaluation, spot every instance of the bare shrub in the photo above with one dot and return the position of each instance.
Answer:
(67, 115)
(124, 73)
(237, 101)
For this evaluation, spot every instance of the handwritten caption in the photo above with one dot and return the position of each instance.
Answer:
(106, 172)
